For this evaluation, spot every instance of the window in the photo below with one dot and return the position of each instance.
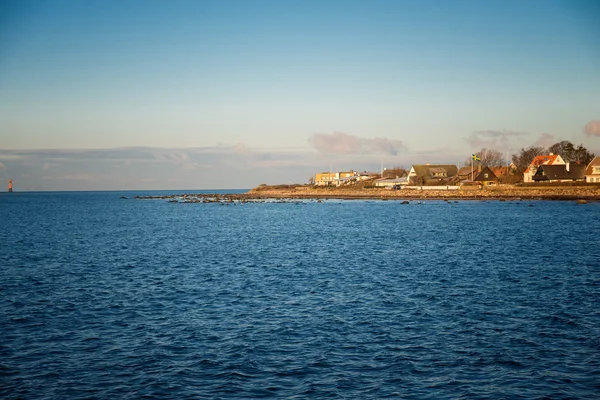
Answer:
(486, 175)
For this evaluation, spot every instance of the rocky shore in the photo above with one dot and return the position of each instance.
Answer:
(291, 193)
(498, 192)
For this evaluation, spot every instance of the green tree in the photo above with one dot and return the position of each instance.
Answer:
(570, 153)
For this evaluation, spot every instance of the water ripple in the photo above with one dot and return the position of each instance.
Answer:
(105, 298)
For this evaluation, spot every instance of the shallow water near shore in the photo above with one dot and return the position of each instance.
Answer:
(102, 297)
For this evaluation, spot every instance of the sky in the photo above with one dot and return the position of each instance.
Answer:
(117, 95)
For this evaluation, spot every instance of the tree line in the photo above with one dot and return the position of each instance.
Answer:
(567, 150)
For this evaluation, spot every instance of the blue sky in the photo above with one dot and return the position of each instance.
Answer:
(172, 94)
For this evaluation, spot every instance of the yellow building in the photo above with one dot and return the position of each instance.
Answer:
(332, 178)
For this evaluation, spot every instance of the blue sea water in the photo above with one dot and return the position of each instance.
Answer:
(106, 298)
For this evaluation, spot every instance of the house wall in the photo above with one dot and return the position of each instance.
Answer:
(592, 178)
(326, 178)
(449, 187)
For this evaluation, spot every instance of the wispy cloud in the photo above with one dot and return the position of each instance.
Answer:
(545, 140)
(223, 166)
(493, 139)
(592, 128)
(343, 143)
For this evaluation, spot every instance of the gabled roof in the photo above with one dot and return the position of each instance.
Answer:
(499, 171)
(548, 159)
(481, 176)
(427, 170)
(559, 172)
(590, 168)
(466, 171)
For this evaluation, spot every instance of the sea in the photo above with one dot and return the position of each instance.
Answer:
(104, 296)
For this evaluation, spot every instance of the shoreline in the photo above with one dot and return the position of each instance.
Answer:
(315, 193)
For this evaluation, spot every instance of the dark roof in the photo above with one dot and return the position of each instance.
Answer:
(481, 176)
(427, 170)
(559, 172)
(466, 170)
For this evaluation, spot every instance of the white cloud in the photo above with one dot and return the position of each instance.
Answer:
(159, 168)
(343, 143)
(592, 128)
(493, 139)
(545, 140)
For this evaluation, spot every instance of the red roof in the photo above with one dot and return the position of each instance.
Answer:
(499, 171)
(542, 160)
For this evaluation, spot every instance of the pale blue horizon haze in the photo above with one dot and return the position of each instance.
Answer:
(98, 95)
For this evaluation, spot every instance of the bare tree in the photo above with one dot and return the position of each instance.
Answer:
(395, 172)
(523, 158)
(489, 157)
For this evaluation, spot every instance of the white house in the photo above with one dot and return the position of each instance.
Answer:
(550, 159)
(592, 172)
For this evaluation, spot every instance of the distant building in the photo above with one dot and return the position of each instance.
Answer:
(432, 174)
(550, 159)
(333, 178)
(486, 177)
(10, 186)
(570, 172)
(592, 172)
(507, 174)
(392, 182)
(466, 174)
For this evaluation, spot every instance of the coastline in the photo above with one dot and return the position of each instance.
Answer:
(496, 193)
(305, 192)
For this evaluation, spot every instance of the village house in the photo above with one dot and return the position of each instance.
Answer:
(570, 172)
(326, 178)
(392, 183)
(333, 178)
(507, 174)
(343, 178)
(481, 175)
(465, 174)
(432, 174)
(592, 172)
(550, 159)
(486, 177)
